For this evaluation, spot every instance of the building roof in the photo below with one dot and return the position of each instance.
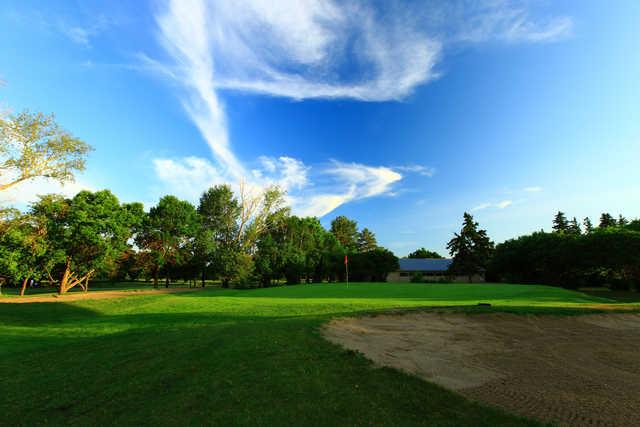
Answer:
(424, 264)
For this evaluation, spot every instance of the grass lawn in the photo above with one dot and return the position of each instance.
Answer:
(232, 357)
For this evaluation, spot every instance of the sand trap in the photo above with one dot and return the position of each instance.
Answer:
(576, 370)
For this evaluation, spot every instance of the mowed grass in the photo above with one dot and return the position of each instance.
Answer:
(230, 357)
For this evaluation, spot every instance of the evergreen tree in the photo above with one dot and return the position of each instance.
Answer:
(560, 222)
(574, 227)
(471, 249)
(346, 231)
(622, 221)
(588, 226)
(606, 220)
(366, 240)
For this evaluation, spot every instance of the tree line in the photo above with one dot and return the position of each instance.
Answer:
(241, 241)
(250, 238)
(573, 256)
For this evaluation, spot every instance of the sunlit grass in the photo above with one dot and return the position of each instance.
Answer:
(233, 357)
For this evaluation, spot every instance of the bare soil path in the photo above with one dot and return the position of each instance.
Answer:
(79, 296)
(572, 370)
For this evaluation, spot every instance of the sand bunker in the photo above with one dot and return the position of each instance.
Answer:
(575, 370)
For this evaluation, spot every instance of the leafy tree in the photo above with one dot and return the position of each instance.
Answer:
(34, 145)
(606, 220)
(22, 248)
(166, 235)
(424, 253)
(372, 266)
(560, 222)
(633, 225)
(471, 249)
(366, 240)
(236, 226)
(219, 213)
(574, 227)
(608, 256)
(588, 226)
(346, 231)
(86, 233)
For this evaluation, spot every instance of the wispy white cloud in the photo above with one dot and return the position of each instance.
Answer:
(309, 191)
(503, 20)
(83, 34)
(534, 189)
(499, 205)
(503, 204)
(188, 177)
(480, 207)
(310, 49)
(418, 169)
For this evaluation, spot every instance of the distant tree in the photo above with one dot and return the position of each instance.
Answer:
(634, 225)
(471, 249)
(372, 266)
(560, 222)
(346, 231)
(167, 234)
(588, 226)
(606, 220)
(574, 227)
(366, 240)
(622, 221)
(34, 145)
(424, 253)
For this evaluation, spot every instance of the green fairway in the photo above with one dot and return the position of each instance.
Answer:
(231, 357)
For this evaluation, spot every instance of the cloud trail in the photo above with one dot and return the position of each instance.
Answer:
(307, 49)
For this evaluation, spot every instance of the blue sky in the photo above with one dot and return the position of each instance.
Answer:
(399, 115)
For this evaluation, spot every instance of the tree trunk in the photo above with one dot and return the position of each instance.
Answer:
(203, 277)
(65, 277)
(24, 286)
(155, 278)
(166, 281)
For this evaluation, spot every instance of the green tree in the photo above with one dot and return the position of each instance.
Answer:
(219, 214)
(366, 240)
(167, 235)
(606, 220)
(34, 145)
(346, 231)
(23, 246)
(86, 233)
(574, 227)
(560, 222)
(471, 249)
(424, 253)
(588, 226)
(622, 221)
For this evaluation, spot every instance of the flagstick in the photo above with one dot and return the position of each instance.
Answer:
(346, 267)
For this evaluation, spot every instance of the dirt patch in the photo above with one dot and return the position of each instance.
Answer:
(573, 370)
(94, 295)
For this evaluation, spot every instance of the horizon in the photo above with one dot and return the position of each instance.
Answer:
(398, 116)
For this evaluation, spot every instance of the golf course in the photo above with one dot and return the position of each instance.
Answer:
(229, 357)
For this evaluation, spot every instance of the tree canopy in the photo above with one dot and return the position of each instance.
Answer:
(34, 145)
(424, 253)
